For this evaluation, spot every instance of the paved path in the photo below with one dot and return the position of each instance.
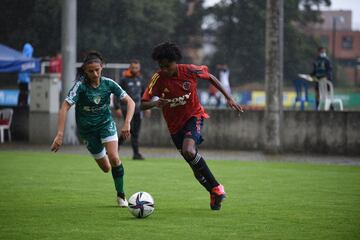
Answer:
(208, 154)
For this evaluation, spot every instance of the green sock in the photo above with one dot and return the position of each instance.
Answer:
(118, 176)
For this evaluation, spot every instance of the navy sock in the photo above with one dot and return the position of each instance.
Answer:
(202, 172)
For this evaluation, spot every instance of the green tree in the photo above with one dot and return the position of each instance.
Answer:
(240, 37)
(188, 32)
(119, 29)
(34, 21)
(122, 29)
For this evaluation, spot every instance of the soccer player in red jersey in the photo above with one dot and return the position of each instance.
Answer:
(174, 85)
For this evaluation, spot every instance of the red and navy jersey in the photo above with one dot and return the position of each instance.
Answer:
(181, 90)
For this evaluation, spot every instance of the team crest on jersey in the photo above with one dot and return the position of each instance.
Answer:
(72, 93)
(186, 85)
(97, 99)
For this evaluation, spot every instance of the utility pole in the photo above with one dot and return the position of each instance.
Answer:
(335, 20)
(333, 50)
(68, 50)
(274, 44)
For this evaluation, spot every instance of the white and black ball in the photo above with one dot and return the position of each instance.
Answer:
(141, 204)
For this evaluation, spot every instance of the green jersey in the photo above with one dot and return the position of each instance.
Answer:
(93, 104)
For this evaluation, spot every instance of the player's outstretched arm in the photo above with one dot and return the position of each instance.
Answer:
(145, 105)
(125, 129)
(230, 101)
(55, 146)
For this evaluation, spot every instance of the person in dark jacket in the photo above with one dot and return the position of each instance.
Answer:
(132, 83)
(322, 68)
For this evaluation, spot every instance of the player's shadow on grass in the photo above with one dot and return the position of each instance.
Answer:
(111, 206)
(164, 213)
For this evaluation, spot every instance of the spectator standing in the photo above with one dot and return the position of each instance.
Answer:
(56, 64)
(224, 73)
(322, 68)
(24, 78)
(132, 83)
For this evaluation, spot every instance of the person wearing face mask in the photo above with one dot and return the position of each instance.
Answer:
(322, 68)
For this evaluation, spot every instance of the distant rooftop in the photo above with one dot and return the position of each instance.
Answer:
(343, 20)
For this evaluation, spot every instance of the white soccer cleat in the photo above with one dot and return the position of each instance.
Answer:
(122, 202)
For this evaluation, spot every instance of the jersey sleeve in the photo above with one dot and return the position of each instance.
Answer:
(73, 95)
(117, 90)
(199, 71)
(151, 89)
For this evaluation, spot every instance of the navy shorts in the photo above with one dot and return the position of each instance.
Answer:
(191, 129)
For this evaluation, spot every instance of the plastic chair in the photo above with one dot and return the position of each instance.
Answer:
(302, 95)
(326, 98)
(5, 123)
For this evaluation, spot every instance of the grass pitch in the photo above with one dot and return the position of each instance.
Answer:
(62, 196)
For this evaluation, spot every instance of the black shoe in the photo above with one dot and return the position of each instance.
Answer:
(138, 156)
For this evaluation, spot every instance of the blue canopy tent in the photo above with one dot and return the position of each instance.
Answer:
(14, 61)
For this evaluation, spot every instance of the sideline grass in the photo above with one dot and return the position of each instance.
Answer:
(61, 196)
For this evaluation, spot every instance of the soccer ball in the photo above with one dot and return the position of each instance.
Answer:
(141, 204)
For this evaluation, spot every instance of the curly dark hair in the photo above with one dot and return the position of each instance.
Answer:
(166, 50)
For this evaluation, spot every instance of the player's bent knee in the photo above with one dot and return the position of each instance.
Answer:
(114, 160)
(188, 154)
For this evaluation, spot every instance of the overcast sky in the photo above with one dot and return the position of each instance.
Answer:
(353, 5)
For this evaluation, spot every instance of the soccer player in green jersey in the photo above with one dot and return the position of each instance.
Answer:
(91, 96)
